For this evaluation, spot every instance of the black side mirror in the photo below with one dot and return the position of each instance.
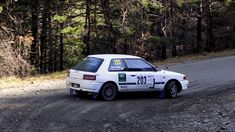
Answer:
(156, 69)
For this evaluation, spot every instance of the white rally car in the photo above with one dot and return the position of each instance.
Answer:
(108, 74)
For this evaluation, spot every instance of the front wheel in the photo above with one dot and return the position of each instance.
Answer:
(171, 89)
(109, 92)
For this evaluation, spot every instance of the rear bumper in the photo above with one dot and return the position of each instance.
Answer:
(184, 84)
(87, 86)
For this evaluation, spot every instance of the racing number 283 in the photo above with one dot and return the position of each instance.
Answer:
(141, 80)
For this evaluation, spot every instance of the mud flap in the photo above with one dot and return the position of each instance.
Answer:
(71, 91)
(162, 94)
(95, 96)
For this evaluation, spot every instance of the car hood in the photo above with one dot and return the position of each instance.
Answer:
(172, 73)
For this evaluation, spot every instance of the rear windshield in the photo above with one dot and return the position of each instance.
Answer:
(90, 64)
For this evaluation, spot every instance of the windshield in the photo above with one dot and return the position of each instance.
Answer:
(89, 64)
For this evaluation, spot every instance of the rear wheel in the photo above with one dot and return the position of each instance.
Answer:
(171, 89)
(109, 92)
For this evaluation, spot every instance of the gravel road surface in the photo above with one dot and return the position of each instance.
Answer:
(208, 105)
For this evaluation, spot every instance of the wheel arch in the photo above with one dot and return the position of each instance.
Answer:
(107, 83)
(179, 88)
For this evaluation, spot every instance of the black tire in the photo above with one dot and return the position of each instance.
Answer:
(171, 89)
(109, 92)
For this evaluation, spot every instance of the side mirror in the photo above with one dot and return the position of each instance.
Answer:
(156, 69)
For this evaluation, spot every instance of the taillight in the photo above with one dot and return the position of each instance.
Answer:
(185, 77)
(89, 77)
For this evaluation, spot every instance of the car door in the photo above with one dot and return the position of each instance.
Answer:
(149, 79)
(133, 82)
(125, 81)
(158, 80)
(140, 74)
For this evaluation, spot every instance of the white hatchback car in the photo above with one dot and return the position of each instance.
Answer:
(108, 74)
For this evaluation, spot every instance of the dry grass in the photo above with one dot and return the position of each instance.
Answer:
(202, 56)
(14, 52)
(14, 81)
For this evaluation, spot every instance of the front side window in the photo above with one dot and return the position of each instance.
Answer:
(90, 64)
(138, 65)
(117, 65)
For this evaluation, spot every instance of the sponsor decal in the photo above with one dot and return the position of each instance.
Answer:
(121, 77)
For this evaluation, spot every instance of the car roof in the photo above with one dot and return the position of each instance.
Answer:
(112, 56)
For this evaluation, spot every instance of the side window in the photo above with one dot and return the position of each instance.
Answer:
(117, 65)
(138, 65)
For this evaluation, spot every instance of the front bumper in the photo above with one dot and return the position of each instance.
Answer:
(184, 84)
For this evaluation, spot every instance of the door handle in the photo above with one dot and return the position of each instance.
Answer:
(133, 75)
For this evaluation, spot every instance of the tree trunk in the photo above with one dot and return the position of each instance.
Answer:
(174, 51)
(96, 28)
(34, 47)
(111, 34)
(87, 27)
(50, 40)
(186, 27)
(125, 46)
(163, 52)
(210, 46)
(61, 49)
(43, 38)
(199, 28)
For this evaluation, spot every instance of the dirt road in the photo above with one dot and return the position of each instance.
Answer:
(208, 105)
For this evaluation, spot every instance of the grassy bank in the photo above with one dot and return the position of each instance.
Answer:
(196, 57)
(15, 81)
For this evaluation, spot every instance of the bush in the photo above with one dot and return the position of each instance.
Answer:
(13, 54)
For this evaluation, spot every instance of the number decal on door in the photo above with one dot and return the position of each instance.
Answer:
(141, 80)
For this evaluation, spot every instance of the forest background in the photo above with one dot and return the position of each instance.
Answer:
(45, 36)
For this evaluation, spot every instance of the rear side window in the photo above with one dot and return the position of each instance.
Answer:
(117, 65)
(90, 64)
(138, 65)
